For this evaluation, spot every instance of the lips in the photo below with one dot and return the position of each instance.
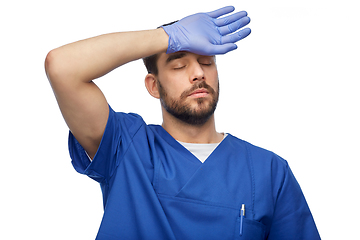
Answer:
(198, 90)
(202, 92)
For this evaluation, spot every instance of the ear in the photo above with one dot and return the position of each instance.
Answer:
(151, 85)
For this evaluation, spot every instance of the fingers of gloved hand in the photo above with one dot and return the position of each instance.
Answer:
(230, 19)
(221, 49)
(232, 38)
(222, 11)
(233, 27)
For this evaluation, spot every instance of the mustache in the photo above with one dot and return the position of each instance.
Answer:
(196, 86)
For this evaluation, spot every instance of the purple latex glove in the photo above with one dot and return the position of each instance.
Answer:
(206, 33)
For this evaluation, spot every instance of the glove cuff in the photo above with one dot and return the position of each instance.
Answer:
(173, 44)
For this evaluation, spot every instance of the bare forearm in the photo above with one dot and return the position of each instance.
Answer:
(71, 69)
(92, 58)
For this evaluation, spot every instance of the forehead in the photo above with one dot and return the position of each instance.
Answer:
(174, 56)
(165, 58)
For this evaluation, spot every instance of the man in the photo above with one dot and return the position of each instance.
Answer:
(183, 179)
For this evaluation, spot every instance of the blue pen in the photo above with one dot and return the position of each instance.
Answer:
(242, 215)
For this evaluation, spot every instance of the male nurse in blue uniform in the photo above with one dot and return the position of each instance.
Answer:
(181, 180)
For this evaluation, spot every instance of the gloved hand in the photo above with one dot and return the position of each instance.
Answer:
(205, 34)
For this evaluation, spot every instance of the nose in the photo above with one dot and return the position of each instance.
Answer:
(197, 73)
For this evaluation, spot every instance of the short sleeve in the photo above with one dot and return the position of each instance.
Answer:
(119, 131)
(292, 217)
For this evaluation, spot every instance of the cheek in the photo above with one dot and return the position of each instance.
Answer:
(174, 84)
(214, 73)
(169, 87)
(213, 79)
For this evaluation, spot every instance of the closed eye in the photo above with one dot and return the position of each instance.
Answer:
(178, 68)
(206, 60)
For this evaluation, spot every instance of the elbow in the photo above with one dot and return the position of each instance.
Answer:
(61, 69)
(57, 70)
(51, 66)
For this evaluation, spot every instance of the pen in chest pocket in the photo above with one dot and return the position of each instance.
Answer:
(242, 215)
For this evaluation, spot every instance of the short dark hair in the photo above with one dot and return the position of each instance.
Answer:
(151, 64)
(151, 61)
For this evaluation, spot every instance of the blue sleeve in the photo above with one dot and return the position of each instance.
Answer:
(119, 131)
(292, 217)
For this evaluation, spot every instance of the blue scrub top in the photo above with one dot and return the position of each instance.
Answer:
(154, 188)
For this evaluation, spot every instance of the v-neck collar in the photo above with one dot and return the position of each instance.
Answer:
(180, 148)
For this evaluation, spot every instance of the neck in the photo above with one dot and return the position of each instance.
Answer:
(183, 132)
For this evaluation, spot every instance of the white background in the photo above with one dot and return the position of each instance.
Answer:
(291, 87)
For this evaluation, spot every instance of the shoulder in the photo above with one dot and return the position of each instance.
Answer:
(260, 157)
(125, 122)
(125, 117)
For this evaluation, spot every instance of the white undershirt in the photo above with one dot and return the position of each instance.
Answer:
(200, 150)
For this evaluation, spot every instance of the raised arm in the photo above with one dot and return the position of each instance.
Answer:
(71, 69)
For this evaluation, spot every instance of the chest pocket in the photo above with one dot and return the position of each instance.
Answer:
(251, 230)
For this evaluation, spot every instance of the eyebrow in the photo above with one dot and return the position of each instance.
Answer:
(175, 56)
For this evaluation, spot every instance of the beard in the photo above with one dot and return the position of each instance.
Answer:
(183, 111)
